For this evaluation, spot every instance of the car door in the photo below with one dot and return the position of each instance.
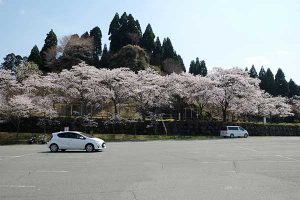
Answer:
(76, 141)
(62, 141)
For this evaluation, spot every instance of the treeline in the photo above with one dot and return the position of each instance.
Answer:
(276, 86)
(129, 47)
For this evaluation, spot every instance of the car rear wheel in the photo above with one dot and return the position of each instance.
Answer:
(89, 147)
(53, 148)
(246, 135)
(231, 135)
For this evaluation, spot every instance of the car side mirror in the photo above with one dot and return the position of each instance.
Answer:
(82, 138)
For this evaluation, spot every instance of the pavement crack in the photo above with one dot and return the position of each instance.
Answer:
(134, 196)
(234, 166)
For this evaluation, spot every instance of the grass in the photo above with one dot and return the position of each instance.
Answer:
(11, 138)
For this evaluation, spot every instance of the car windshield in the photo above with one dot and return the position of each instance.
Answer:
(86, 135)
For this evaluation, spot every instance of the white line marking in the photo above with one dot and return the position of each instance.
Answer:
(52, 171)
(248, 149)
(18, 156)
(18, 186)
(286, 157)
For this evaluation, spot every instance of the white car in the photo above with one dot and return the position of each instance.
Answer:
(73, 140)
(233, 131)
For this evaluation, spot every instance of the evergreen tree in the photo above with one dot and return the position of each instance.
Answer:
(85, 35)
(50, 43)
(197, 67)
(246, 69)
(180, 61)
(156, 58)
(167, 49)
(293, 89)
(281, 85)
(147, 41)
(262, 73)
(114, 33)
(192, 69)
(138, 26)
(268, 83)
(97, 36)
(253, 72)
(11, 61)
(132, 57)
(104, 62)
(203, 69)
(35, 56)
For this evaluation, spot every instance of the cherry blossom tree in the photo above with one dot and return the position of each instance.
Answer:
(25, 69)
(117, 82)
(274, 106)
(149, 92)
(83, 84)
(234, 87)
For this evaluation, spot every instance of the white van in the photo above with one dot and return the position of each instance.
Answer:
(233, 131)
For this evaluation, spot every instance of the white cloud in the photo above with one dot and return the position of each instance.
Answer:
(282, 53)
(257, 61)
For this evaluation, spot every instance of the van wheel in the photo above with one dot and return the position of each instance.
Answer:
(246, 135)
(231, 135)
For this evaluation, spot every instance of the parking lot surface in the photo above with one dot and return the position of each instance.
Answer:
(233, 169)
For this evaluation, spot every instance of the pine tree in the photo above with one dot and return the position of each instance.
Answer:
(85, 35)
(50, 44)
(114, 28)
(35, 56)
(192, 69)
(246, 69)
(253, 72)
(262, 73)
(181, 63)
(167, 49)
(11, 61)
(203, 69)
(268, 83)
(104, 62)
(293, 89)
(96, 34)
(197, 67)
(281, 85)
(147, 41)
(156, 58)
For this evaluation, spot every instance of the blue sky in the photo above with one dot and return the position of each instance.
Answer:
(225, 33)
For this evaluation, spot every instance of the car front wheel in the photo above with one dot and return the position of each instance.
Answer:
(231, 135)
(53, 148)
(246, 135)
(89, 147)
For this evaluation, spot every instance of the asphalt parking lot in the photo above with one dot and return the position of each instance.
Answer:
(252, 168)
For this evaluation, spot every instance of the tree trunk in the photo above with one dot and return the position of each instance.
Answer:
(224, 115)
(115, 106)
(18, 126)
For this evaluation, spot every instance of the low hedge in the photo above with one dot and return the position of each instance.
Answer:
(176, 128)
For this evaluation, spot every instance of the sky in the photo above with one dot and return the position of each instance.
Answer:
(224, 33)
